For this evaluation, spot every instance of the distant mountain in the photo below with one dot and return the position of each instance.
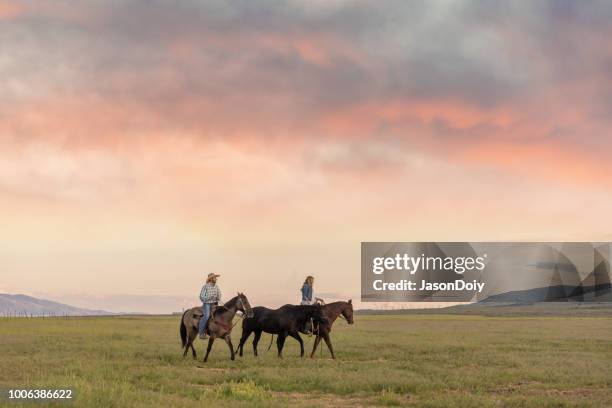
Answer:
(22, 304)
(559, 293)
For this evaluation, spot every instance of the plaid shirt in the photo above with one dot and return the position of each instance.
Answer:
(210, 293)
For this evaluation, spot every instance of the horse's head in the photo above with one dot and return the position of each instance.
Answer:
(347, 312)
(244, 306)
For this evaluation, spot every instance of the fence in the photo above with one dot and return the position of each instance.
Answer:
(17, 314)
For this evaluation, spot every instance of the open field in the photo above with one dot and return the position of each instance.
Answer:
(403, 360)
(541, 309)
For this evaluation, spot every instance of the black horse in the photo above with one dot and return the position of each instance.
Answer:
(285, 321)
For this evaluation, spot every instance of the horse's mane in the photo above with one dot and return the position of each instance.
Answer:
(342, 302)
(229, 304)
(303, 312)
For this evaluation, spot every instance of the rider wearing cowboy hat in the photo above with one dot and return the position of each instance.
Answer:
(209, 295)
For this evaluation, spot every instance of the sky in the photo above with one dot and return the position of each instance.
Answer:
(144, 144)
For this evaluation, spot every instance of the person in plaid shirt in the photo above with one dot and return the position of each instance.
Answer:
(209, 295)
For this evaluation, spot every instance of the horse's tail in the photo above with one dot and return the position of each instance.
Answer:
(271, 340)
(183, 329)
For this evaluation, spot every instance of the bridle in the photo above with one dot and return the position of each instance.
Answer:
(241, 315)
(344, 317)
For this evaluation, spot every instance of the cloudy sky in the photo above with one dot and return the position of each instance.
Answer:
(144, 144)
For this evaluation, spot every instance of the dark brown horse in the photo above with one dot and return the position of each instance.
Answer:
(284, 321)
(322, 327)
(331, 311)
(219, 325)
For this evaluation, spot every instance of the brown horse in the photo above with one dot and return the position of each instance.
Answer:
(219, 325)
(331, 311)
(284, 321)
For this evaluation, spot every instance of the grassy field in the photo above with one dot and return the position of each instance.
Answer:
(411, 360)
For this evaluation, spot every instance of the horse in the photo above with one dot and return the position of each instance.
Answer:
(219, 325)
(284, 321)
(331, 311)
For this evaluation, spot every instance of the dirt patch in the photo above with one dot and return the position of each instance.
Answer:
(580, 393)
(512, 388)
(214, 370)
(323, 400)
(531, 388)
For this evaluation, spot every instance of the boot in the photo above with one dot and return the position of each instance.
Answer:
(203, 335)
(308, 327)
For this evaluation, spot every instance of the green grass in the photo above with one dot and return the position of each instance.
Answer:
(409, 360)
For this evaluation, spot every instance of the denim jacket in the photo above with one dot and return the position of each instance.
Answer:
(306, 292)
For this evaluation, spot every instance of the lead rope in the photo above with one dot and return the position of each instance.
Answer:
(312, 330)
(240, 317)
(271, 340)
(309, 335)
(226, 325)
(319, 337)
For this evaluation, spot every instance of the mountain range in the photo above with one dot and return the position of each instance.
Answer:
(20, 305)
(557, 293)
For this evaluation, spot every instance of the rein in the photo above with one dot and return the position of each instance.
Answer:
(227, 326)
(224, 325)
(318, 335)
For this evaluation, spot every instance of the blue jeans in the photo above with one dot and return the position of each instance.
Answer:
(204, 319)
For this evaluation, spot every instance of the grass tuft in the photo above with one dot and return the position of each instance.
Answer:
(243, 391)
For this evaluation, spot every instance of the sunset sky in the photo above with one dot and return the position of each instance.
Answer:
(144, 144)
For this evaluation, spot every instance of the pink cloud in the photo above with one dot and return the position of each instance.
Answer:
(10, 9)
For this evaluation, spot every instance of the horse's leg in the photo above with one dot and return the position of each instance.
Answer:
(256, 341)
(296, 336)
(210, 343)
(186, 331)
(280, 343)
(193, 350)
(192, 335)
(314, 347)
(228, 340)
(186, 346)
(187, 343)
(329, 344)
(243, 339)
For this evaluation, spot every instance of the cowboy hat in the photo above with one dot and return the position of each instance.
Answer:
(212, 275)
